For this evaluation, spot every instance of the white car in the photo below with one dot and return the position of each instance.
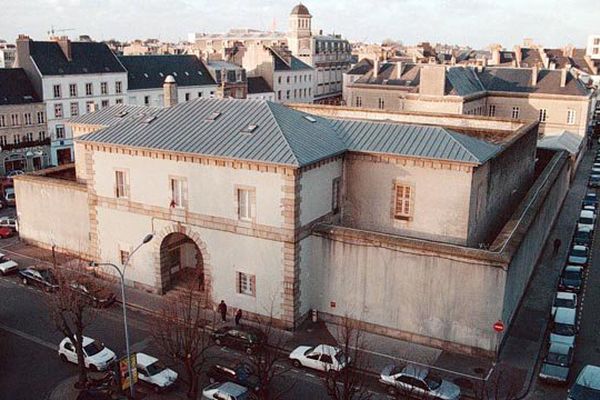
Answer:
(97, 357)
(7, 265)
(587, 219)
(9, 223)
(565, 300)
(322, 357)
(154, 373)
(225, 391)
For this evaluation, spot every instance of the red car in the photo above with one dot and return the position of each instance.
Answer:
(5, 232)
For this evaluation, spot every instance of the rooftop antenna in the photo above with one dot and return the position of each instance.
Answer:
(52, 31)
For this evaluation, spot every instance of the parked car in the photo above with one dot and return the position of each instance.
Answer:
(578, 255)
(571, 279)
(564, 326)
(418, 382)
(565, 300)
(227, 390)
(589, 208)
(96, 356)
(9, 223)
(6, 232)
(7, 265)
(42, 277)
(9, 196)
(152, 372)
(14, 173)
(594, 181)
(591, 198)
(98, 297)
(322, 357)
(242, 338)
(587, 219)
(238, 372)
(557, 363)
(587, 384)
(582, 236)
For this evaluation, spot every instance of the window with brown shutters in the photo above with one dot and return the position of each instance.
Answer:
(403, 198)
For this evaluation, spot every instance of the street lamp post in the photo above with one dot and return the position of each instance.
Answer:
(147, 238)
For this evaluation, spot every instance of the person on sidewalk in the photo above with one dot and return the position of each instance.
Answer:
(223, 310)
(238, 316)
(557, 244)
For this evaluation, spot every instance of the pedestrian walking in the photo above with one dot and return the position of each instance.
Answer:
(557, 244)
(238, 316)
(223, 310)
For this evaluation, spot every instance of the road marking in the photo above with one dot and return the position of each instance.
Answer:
(29, 337)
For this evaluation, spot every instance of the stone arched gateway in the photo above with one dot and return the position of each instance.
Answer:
(179, 255)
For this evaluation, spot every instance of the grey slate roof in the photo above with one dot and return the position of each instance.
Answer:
(282, 135)
(361, 67)
(86, 58)
(414, 140)
(257, 84)
(464, 81)
(15, 87)
(150, 71)
(519, 80)
(116, 114)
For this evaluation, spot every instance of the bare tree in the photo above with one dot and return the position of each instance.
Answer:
(71, 312)
(181, 333)
(350, 382)
(268, 360)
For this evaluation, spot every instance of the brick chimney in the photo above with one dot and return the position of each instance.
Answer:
(563, 77)
(23, 50)
(376, 67)
(534, 75)
(170, 92)
(65, 46)
(432, 81)
(496, 55)
(398, 69)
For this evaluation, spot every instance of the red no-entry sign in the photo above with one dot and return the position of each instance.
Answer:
(499, 326)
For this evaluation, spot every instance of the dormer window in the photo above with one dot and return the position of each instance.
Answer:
(213, 116)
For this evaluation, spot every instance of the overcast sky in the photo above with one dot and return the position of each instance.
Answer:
(469, 22)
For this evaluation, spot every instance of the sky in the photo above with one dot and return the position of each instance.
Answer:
(478, 23)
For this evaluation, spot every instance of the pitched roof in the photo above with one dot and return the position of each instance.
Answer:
(287, 62)
(361, 67)
(257, 84)
(568, 141)
(519, 80)
(463, 81)
(116, 114)
(150, 71)
(86, 58)
(530, 58)
(15, 87)
(414, 140)
(280, 136)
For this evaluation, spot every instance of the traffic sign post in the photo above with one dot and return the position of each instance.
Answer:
(498, 326)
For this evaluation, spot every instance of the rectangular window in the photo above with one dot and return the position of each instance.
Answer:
(295, 92)
(41, 135)
(27, 118)
(28, 137)
(199, 94)
(103, 88)
(60, 131)
(146, 100)
(73, 90)
(2, 140)
(279, 95)
(14, 119)
(515, 113)
(335, 195)
(571, 117)
(89, 106)
(89, 90)
(118, 87)
(381, 104)
(123, 256)
(121, 186)
(358, 101)
(16, 139)
(403, 196)
(119, 101)
(543, 114)
(244, 197)
(56, 91)
(492, 110)
(246, 284)
(287, 94)
(104, 103)
(40, 117)
(74, 109)
(2, 121)
(177, 193)
(58, 110)
(187, 97)
(279, 80)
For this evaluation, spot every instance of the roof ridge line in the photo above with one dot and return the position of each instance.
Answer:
(287, 142)
(451, 133)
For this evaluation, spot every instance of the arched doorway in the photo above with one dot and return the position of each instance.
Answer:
(181, 262)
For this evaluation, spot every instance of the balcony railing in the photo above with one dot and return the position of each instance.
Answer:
(25, 144)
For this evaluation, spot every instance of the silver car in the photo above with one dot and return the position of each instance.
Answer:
(578, 255)
(417, 381)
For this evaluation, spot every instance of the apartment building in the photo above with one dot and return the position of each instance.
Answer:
(555, 98)
(24, 139)
(8, 52)
(230, 78)
(71, 78)
(146, 75)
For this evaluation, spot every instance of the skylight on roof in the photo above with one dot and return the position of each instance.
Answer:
(174, 73)
(187, 73)
(145, 74)
(149, 119)
(309, 118)
(161, 74)
(199, 72)
(121, 114)
(213, 116)
(250, 128)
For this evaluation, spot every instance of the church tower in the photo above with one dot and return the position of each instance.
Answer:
(299, 31)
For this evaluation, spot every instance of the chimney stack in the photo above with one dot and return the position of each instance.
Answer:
(23, 51)
(432, 80)
(563, 77)
(376, 67)
(398, 70)
(65, 46)
(534, 75)
(496, 55)
(170, 91)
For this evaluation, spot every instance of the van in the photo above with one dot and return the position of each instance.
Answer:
(9, 196)
(225, 391)
(564, 326)
(586, 219)
(587, 384)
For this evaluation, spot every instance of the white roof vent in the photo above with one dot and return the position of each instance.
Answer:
(310, 119)
(250, 128)
(213, 116)
(149, 119)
